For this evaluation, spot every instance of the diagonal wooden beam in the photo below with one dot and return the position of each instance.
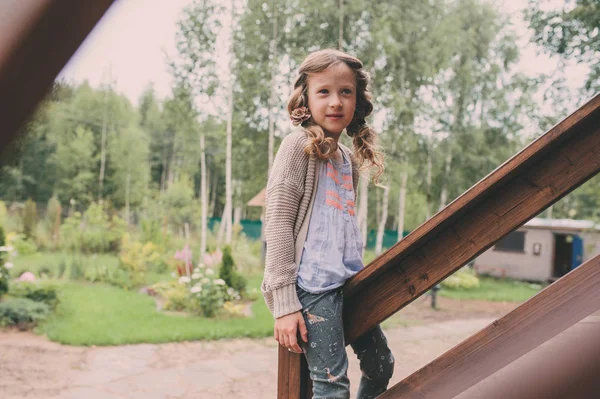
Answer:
(37, 38)
(559, 306)
(546, 170)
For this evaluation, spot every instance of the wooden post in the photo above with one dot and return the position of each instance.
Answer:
(293, 381)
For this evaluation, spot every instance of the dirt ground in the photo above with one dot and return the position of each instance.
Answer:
(32, 367)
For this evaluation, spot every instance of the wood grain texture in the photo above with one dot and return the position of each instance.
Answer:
(475, 194)
(553, 310)
(293, 381)
(549, 168)
(38, 38)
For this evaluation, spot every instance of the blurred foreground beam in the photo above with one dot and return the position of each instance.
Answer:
(551, 312)
(37, 38)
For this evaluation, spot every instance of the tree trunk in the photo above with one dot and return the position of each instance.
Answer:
(223, 226)
(203, 199)
(383, 220)
(103, 146)
(428, 178)
(341, 27)
(549, 212)
(444, 194)
(127, 190)
(273, 98)
(363, 208)
(402, 201)
(213, 198)
(163, 173)
(226, 220)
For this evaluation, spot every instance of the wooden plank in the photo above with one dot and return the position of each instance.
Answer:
(549, 168)
(565, 366)
(38, 37)
(293, 381)
(553, 310)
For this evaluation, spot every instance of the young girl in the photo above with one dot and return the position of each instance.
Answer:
(313, 241)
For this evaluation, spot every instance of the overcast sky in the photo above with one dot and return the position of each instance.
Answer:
(134, 36)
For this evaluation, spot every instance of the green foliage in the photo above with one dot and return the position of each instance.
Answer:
(62, 266)
(4, 275)
(569, 31)
(29, 219)
(53, 219)
(77, 269)
(137, 258)
(45, 293)
(22, 244)
(176, 295)
(462, 279)
(228, 272)
(3, 214)
(109, 274)
(180, 204)
(22, 312)
(95, 232)
(494, 289)
(207, 294)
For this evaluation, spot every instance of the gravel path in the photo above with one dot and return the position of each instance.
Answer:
(32, 367)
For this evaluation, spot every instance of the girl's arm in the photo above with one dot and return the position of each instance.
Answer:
(285, 190)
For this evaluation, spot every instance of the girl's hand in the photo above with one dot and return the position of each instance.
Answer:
(286, 331)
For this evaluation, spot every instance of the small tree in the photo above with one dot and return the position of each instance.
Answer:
(4, 276)
(228, 273)
(53, 219)
(29, 218)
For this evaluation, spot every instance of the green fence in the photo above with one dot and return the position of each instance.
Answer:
(251, 228)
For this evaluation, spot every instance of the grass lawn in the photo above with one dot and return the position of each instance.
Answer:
(98, 314)
(495, 289)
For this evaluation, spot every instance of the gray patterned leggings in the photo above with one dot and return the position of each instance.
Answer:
(326, 352)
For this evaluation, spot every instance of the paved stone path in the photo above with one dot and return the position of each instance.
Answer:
(31, 367)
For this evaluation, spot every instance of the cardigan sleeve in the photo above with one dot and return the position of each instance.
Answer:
(285, 190)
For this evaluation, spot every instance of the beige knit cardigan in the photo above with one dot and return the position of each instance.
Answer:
(290, 194)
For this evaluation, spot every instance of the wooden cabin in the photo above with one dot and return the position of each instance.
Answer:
(541, 250)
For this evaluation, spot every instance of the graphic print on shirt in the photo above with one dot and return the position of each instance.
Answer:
(332, 198)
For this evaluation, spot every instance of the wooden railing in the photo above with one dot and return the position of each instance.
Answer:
(542, 173)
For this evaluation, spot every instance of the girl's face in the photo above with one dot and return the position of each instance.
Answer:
(332, 98)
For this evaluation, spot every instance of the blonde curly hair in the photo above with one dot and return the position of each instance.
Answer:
(363, 136)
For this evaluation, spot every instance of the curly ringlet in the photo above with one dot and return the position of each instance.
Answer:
(363, 136)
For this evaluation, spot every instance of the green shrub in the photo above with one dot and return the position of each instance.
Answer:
(207, 294)
(44, 293)
(94, 232)
(4, 275)
(22, 312)
(22, 244)
(176, 296)
(137, 258)
(77, 269)
(3, 214)
(110, 275)
(462, 279)
(62, 266)
(29, 219)
(229, 274)
(53, 220)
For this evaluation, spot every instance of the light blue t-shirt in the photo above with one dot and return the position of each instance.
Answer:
(332, 251)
